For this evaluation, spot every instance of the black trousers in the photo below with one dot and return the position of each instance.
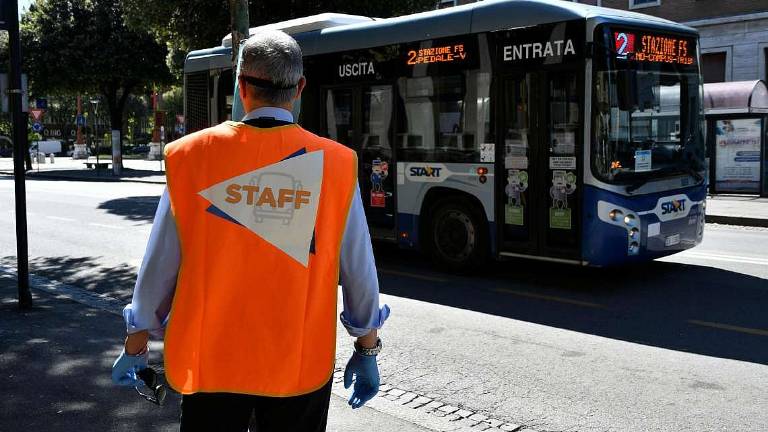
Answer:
(229, 412)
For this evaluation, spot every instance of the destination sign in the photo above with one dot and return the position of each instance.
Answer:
(440, 54)
(650, 48)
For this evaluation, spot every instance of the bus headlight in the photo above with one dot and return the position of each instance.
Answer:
(629, 219)
(615, 214)
(634, 233)
(634, 248)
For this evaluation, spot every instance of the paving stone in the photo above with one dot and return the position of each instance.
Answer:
(481, 426)
(509, 427)
(423, 400)
(391, 397)
(439, 413)
(396, 392)
(453, 417)
(385, 388)
(478, 417)
(464, 413)
(434, 405)
(493, 429)
(466, 422)
(407, 397)
(448, 409)
(414, 404)
(494, 423)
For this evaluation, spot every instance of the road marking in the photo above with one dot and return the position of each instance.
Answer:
(115, 227)
(413, 275)
(746, 330)
(726, 258)
(550, 298)
(61, 218)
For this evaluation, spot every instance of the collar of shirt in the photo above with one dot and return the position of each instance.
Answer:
(270, 112)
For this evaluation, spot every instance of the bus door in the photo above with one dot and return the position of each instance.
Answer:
(361, 117)
(538, 190)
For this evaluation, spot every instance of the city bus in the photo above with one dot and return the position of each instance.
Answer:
(539, 129)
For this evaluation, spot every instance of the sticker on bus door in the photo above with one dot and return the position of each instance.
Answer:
(563, 185)
(517, 184)
(379, 172)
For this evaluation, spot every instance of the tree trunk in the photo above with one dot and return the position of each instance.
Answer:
(116, 105)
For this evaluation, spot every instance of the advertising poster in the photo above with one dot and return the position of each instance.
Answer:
(737, 145)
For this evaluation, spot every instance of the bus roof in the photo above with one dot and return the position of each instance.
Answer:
(483, 16)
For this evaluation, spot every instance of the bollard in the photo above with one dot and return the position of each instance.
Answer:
(41, 158)
(51, 157)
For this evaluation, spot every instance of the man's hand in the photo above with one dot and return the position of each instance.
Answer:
(125, 367)
(366, 373)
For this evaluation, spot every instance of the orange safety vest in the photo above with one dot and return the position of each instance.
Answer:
(261, 214)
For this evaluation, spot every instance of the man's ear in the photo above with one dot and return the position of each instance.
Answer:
(242, 88)
(300, 87)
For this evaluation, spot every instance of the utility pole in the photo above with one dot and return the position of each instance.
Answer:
(238, 10)
(11, 18)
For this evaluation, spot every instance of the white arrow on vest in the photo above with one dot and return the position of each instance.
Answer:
(277, 202)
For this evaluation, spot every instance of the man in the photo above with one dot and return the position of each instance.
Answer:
(259, 221)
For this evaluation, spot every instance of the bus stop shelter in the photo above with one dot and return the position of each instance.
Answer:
(737, 144)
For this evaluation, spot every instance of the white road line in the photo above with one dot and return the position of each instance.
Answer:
(65, 219)
(114, 227)
(725, 258)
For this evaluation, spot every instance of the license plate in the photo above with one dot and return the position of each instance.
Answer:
(672, 240)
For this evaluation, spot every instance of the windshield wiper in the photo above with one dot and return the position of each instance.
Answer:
(689, 170)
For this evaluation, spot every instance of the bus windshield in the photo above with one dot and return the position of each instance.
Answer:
(648, 120)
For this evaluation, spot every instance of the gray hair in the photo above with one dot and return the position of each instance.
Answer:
(274, 56)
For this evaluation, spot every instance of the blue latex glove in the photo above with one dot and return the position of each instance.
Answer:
(366, 373)
(125, 368)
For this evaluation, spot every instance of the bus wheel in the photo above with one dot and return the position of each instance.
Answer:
(457, 239)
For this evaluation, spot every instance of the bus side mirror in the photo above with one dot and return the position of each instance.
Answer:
(626, 89)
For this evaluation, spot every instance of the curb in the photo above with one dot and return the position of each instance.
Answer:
(737, 220)
(53, 176)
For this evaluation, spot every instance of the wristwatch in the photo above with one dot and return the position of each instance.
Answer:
(369, 351)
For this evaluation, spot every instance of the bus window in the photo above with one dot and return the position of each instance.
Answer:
(339, 105)
(443, 118)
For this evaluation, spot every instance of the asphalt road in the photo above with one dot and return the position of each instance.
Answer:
(679, 344)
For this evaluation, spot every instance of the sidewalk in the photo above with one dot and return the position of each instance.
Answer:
(738, 210)
(55, 361)
(66, 168)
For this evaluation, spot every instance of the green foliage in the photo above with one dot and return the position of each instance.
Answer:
(186, 25)
(76, 46)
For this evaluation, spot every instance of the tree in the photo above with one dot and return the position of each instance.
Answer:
(76, 46)
(185, 25)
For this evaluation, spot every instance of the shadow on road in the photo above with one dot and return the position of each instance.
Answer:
(137, 208)
(681, 307)
(83, 272)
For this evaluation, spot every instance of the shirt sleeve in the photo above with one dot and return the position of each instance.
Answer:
(359, 280)
(156, 283)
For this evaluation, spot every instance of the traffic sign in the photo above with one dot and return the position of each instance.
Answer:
(80, 120)
(37, 127)
(36, 114)
(41, 103)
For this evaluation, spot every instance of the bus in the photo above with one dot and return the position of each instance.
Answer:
(515, 128)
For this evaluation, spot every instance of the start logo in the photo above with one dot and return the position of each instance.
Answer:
(673, 206)
(425, 171)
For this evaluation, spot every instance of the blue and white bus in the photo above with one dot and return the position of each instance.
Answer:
(514, 128)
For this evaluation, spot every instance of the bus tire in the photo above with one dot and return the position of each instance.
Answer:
(457, 236)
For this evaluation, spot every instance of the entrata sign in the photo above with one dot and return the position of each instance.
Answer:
(277, 202)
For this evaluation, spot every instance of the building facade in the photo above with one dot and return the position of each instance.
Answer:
(734, 33)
